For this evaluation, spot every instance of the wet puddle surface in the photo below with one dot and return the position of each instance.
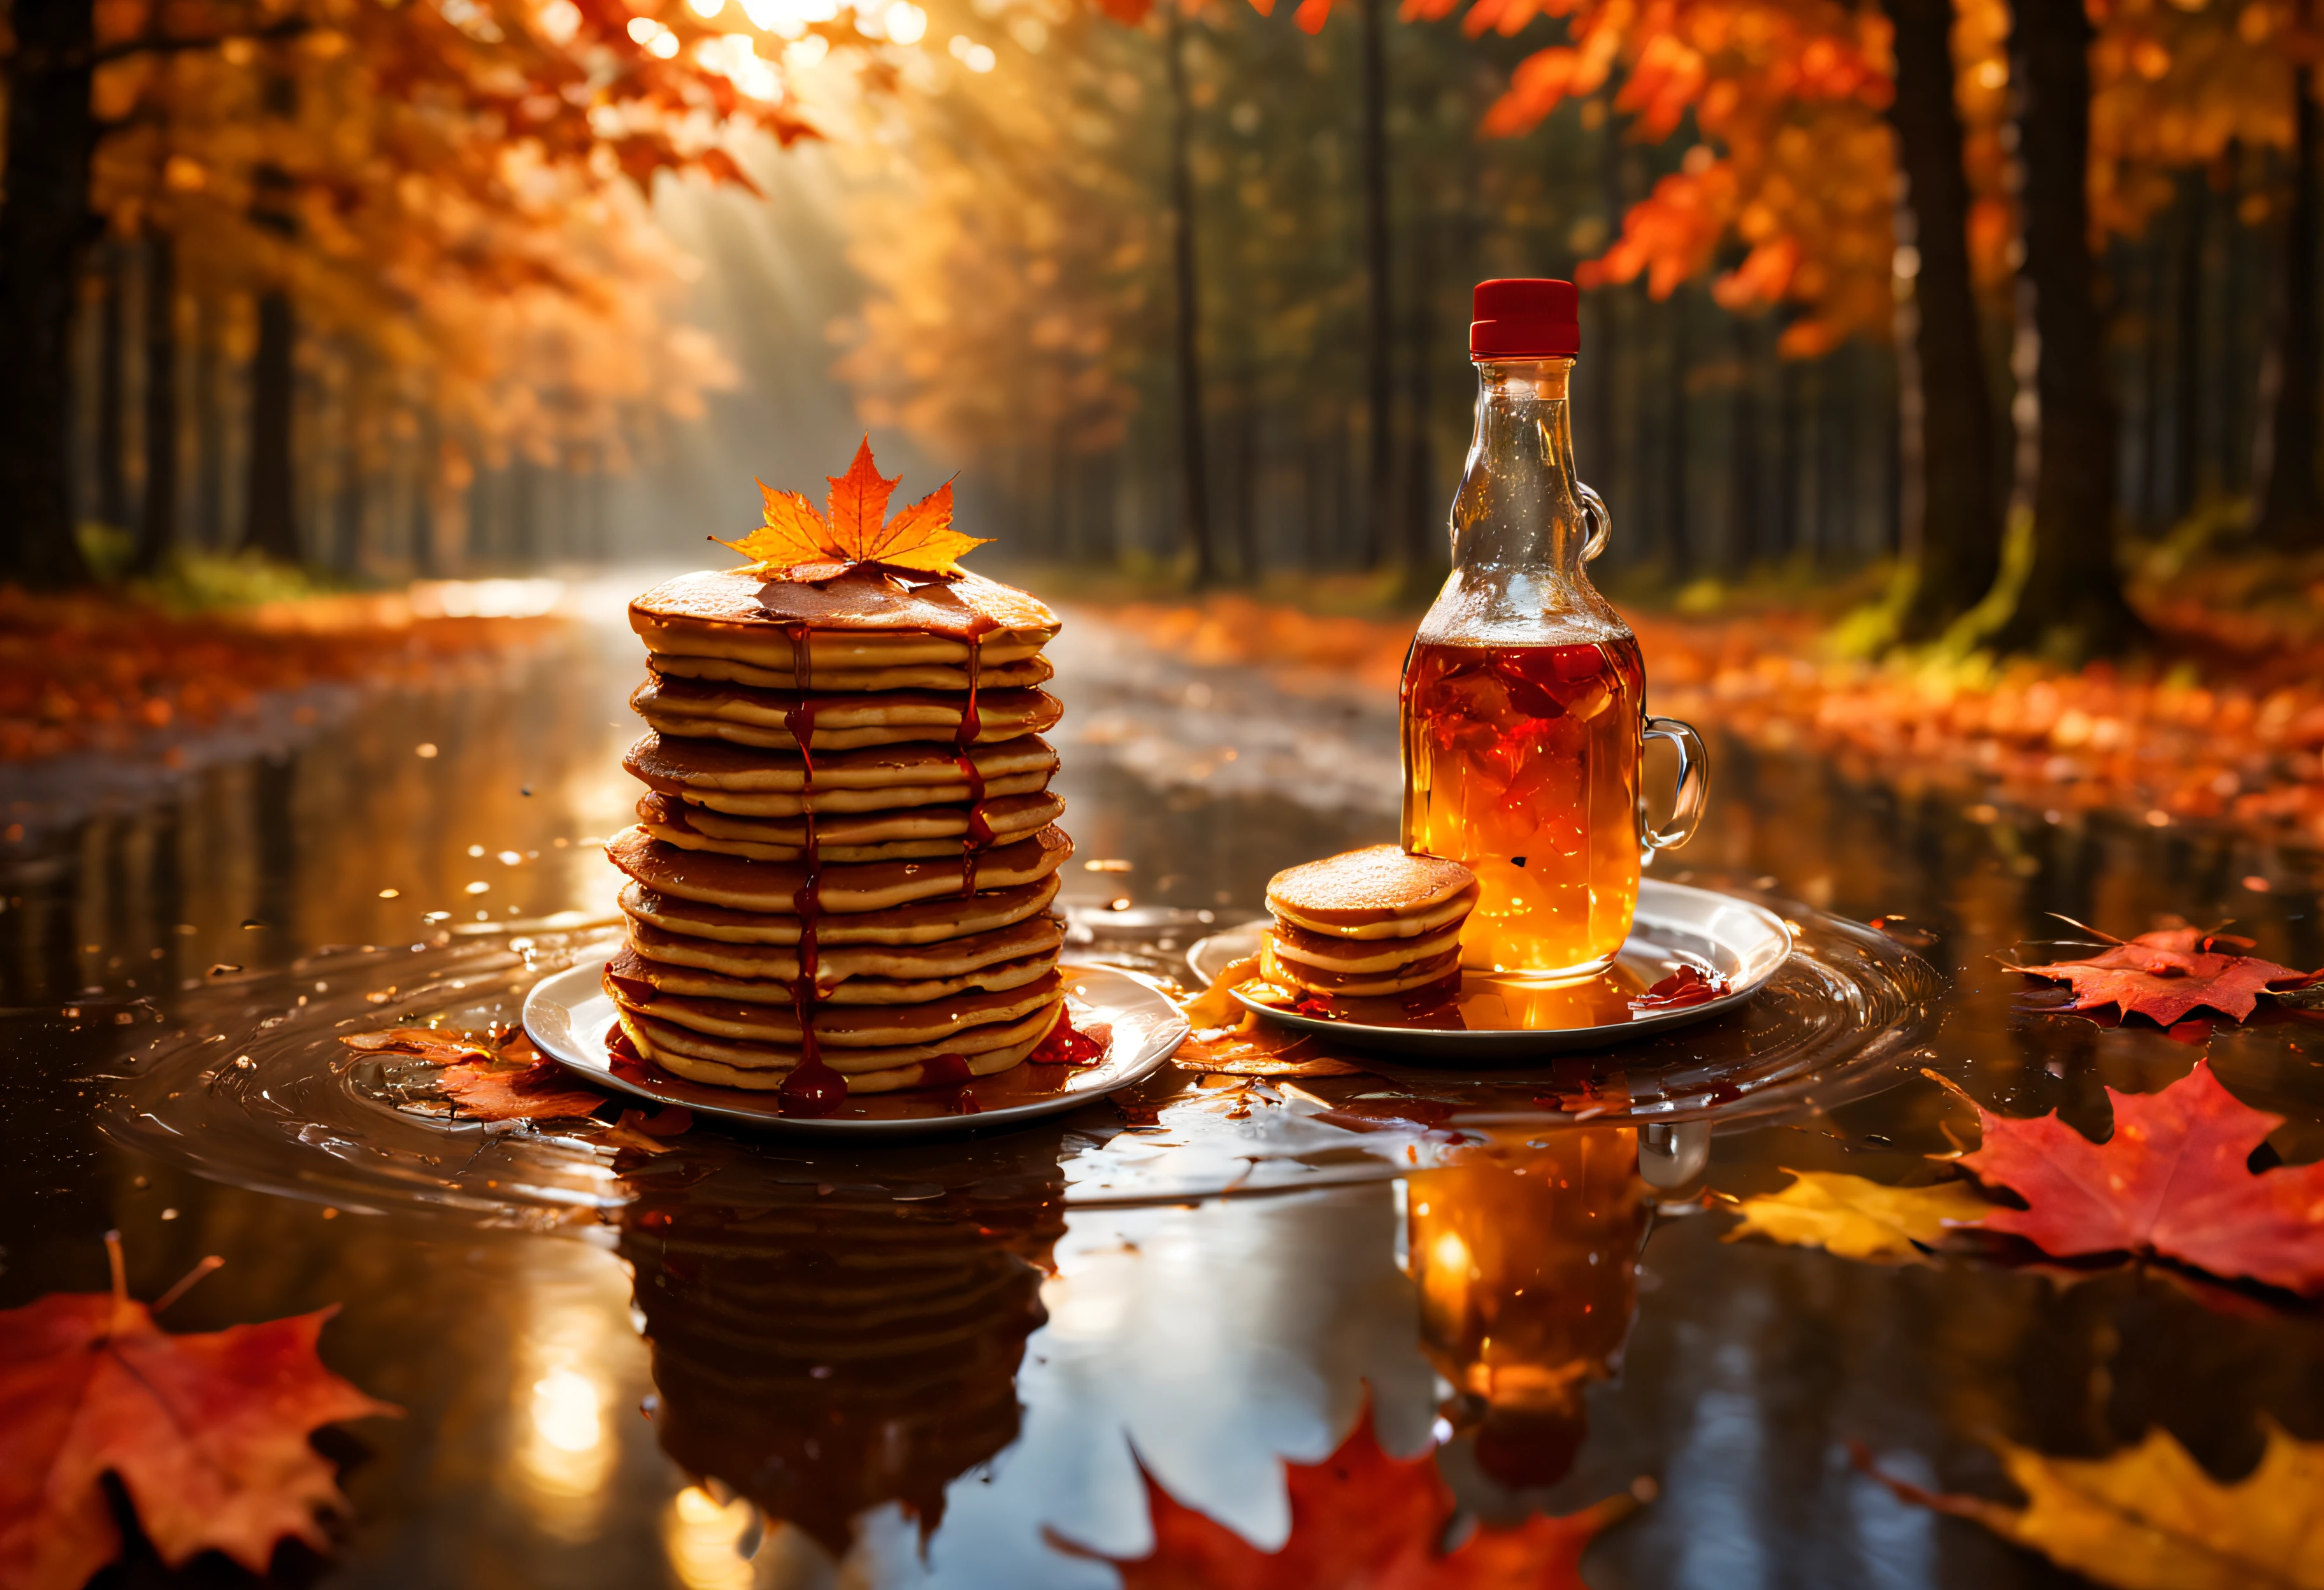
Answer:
(731, 1360)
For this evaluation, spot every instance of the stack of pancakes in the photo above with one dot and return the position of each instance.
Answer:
(841, 873)
(1365, 922)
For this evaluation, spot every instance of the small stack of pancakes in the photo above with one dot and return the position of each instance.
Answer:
(1366, 923)
(841, 874)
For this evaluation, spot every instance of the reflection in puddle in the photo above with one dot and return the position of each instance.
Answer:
(830, 1339)
(563, 1394)
(1526, 1271)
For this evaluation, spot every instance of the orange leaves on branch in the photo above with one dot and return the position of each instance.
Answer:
(1362, 1519)
(2172, 1181)
(797, 543)
(207, 1434)
(2165, 975)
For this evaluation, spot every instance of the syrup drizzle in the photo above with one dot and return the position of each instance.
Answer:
(813, 1088)
(979, 832)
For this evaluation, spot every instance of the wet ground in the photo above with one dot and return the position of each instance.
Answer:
(950, 1364)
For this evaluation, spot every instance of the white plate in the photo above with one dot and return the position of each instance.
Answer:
(568, 1015)
(1676, 926)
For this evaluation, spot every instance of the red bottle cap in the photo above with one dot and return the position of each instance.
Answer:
(1526, 317)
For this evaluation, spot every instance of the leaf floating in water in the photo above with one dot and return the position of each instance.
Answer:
(427, 1043)
(2149, 1517)
(1686, 986)
(1364, 1519)
(2175, 1179)
(1858, 1218)
(207, 1434)
(534, 1092)
(2165, 975)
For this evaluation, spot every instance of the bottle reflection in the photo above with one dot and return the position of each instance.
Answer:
(824, 1344)
(1527, 1272)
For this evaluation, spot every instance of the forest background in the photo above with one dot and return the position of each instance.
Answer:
(1962, 309)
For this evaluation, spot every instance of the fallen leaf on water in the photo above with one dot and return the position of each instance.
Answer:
(1362, 1519)
(537, 1091)
(1859, 1219)
(427, 1043)
(2166, 974)
(207, 1433)
(2171, 1180)
(2148, 1517)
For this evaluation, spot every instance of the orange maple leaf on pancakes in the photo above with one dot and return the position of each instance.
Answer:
(207, 1434)
(797, 543)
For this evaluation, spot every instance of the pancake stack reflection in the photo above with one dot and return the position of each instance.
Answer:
(828, 1338)
(1527, 1272)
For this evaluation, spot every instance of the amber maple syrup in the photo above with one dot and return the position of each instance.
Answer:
(1522, 763)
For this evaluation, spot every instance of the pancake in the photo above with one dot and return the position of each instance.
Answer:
(927, 922)
(774, 783)
(844, 1026)
(1417, 974)
(731, 1065)
(1355, 957)
(866, 617)
(653, 979)
(771, 1061)
(917, 831)
(835, 964)
(989, 675)
(842, 889)
(710, 710)
(1378, 892)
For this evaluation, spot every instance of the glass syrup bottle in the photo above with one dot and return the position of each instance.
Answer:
(1524, 694)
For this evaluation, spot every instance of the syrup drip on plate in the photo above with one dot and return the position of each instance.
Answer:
(946, 1068)
(813, 1088)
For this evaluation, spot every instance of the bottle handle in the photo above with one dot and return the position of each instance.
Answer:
(1693, 786)
(1602, 522)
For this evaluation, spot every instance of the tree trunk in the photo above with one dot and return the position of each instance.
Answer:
(2291, 515)
(1951, 512)
(1421, 533)
(45, 224)
(2071, 601)
(1380, 337)
(111, 444)
(1678, 559)
(1743, 450)
(157, 524)
(2187, 349)
(1193, 471)
(272, 524)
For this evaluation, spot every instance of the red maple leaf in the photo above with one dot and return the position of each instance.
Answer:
(2163, 975)
(2171, 1180)
(1362, 1519)
(207, 1434)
